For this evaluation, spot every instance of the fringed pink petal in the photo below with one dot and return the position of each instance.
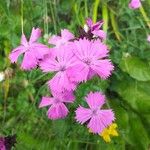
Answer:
(95, 100)
(35, 35)
(82, 114)
(46, 101)
(57, 111)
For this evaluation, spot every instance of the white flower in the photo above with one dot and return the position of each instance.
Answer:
(2, 76)
(86, 28)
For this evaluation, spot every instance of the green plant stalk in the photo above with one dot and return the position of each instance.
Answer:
(105, 16)
(53, 17)
(75, 8)
(45, 17)
(22, 28)
(147, 20)
(86, 8)
(115, 26)
(95, 9)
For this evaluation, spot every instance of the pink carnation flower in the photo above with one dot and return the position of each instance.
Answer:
(95, 28)
(98, 119)
(57, 108)
(60, 64)
(32, 50)
(148, 38)
(134, 4)
(66, 35)
(92, 60)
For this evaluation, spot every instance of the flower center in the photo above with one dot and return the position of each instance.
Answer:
(94, 112)
(62, 68)
(56, 101)
(87, 61)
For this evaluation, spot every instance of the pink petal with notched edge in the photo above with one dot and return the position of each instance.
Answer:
(57, 111)
(61, 82)
(81, 48)
(40, 50)
(94, 26)
(82, 114)
(66, 34)
(29, 61)
(89, 22)
(24, 41)
(98, 50)
(78, 73)
(69, 97)
(65, 55)
(100, 33)
(49, 65)
(103, 68)
(96, 125)
(65, 96)
(35, 35)
(54, 40)
(95, 100)
(107, 116)
(13, 56)
(91, 74)
(46, 101)
(97, 25)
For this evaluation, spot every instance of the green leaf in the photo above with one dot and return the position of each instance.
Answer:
(120, 113)
(136, 68)
(135, 93)
(137, 135)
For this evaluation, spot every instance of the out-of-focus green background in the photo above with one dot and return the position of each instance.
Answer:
(127, 90)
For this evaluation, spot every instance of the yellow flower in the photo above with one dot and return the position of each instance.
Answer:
(105, 135)
(111, 130)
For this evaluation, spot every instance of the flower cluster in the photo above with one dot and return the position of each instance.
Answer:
(72, 60)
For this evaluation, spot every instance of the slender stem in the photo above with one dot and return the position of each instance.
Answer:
(22, 28)
(95, 10)
(86, 8)
(45, 16)
(53, 17)
(105, 16)
(147, 20)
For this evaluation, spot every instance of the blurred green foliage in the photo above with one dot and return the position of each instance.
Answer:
(128, 89)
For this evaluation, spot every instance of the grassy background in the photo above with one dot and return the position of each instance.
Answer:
(128, 89)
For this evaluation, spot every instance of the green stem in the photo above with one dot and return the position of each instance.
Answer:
(95, 9)
(105, 16)
(22, 23)
(147, 20)
(86, 8)
(53, 17)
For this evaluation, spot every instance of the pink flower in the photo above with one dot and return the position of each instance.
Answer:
(66, 35)
(134, 4)
(94, 28)
(60, 64)
(57, 108)
(92, 59)
(2, 143)
(32, 50)
(98, 119)
(148, 38)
